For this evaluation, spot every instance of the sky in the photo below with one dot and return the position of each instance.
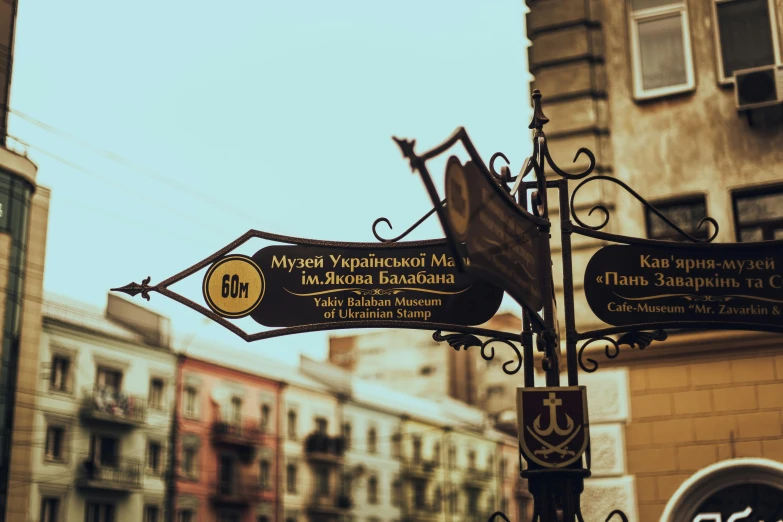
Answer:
(166, 129)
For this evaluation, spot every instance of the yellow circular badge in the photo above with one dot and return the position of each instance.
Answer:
(234, 286)
(457, 198)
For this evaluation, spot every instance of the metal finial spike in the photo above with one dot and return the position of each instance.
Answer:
(133, 289)
(539, 120)
(406, 147)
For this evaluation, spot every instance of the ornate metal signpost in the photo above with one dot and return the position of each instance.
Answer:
(497, 238)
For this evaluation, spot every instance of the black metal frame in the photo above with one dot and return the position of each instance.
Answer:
(556, 492)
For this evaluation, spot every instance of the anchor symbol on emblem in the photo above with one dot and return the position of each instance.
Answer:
(537, 432)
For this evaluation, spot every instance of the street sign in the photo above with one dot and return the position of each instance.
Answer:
(648, 284)
(303, 285)
(502, 242)
(553, 424)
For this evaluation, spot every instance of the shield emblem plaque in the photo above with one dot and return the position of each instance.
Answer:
(553, 425)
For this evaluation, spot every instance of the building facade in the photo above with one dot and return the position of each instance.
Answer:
(227, 444)
(102, 416)
(660, 92)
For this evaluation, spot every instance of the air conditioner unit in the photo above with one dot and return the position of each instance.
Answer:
(758, 87)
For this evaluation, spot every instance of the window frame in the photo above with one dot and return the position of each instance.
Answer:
(58, 511)
(654, 13)
(291, 479)
(63, 459)
(722, 80)
(194, 412)
(160, 406)
(680, 200)
(161, 459)
(67, 388)
(750, 192)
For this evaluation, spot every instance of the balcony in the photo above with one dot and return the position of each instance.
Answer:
(123, 477)
(424, 513)
(235, 494)
(329, 504)
(424, 469)
(106, 407)
(477, 479)
(323, 448)
(232, 434)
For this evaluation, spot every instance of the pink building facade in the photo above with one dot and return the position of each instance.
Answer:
(227, 458)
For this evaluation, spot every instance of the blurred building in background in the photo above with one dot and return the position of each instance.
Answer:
(102, 410)
(682, 100)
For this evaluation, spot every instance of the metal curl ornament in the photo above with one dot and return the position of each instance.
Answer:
(644, 202)
(462, 341)
(619, 513)
(501, 515)
(504, 177)
(408, 231)
(633, 339)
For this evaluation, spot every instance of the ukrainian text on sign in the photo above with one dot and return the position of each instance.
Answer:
(312, 284)
(639, 284)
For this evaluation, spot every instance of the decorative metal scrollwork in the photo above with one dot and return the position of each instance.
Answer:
(619, 513)
(501, 515)
(644, 202)
(410, 229)
(133, 289)
(463, 341)
(634, 339)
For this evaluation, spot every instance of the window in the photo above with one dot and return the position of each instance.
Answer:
(471, 460)
(452, 455)
(685, 213)
(235, 411)
(346, 484)
(185, 515)
(291, 478)
(262, 518)
(396, 492)
(660, 48)
(99, 512)
(50, 509)
(55, 441)
(453, 499)
(226, 474)
(372, 490)
(745, 36)
(472, 501)
(265, 475)
(372, 441)
(419, 494)
(152, 514)
(60, 378)
(191, 395)
(189, 461)
(347, 434)
(104, 450)
(321, 480)
(108, 379)
(228, 516)
(436, 500)
(503, 467)
(490, 463)
(758, 214)
(291, 424)
(436, 453)
(156, 394)
(396, 445)
(153, 457)
(321, 425)
(416, 449)
(265, 414)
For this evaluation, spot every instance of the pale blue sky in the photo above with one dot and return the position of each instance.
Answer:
(273, 115)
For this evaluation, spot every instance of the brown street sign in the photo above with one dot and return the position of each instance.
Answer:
(305, 285)
(502, 242)
(553, 424)
(647, 284)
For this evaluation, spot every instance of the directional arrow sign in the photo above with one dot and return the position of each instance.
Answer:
(502, 241)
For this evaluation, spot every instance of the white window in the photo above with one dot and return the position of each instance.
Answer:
(235, 411)
(109, 380)
(60, 376)
(660, 48)
(50, 509)
(156, 393)
(746, 35)
(189, 461)
(191, 395)
(154, 457)
(55, 441)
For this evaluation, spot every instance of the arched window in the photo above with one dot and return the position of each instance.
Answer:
(291, 424)
(372, 441)
(372, 490)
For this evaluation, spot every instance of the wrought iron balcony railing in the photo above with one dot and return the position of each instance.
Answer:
(329, 503)
(419, 468)
(246, 435)
(123, 475)
(235, 493)
(477, 479)
(324, 448)
(112, 407)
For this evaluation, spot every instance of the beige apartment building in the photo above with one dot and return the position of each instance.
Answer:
(658, 90)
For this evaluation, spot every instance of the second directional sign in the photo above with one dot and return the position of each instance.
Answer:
(643, 284)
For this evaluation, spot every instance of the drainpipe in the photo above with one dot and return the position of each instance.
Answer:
(171, 490)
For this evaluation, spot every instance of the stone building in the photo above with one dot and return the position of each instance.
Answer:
(227, 443)
(649, 87)
(101, 406)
